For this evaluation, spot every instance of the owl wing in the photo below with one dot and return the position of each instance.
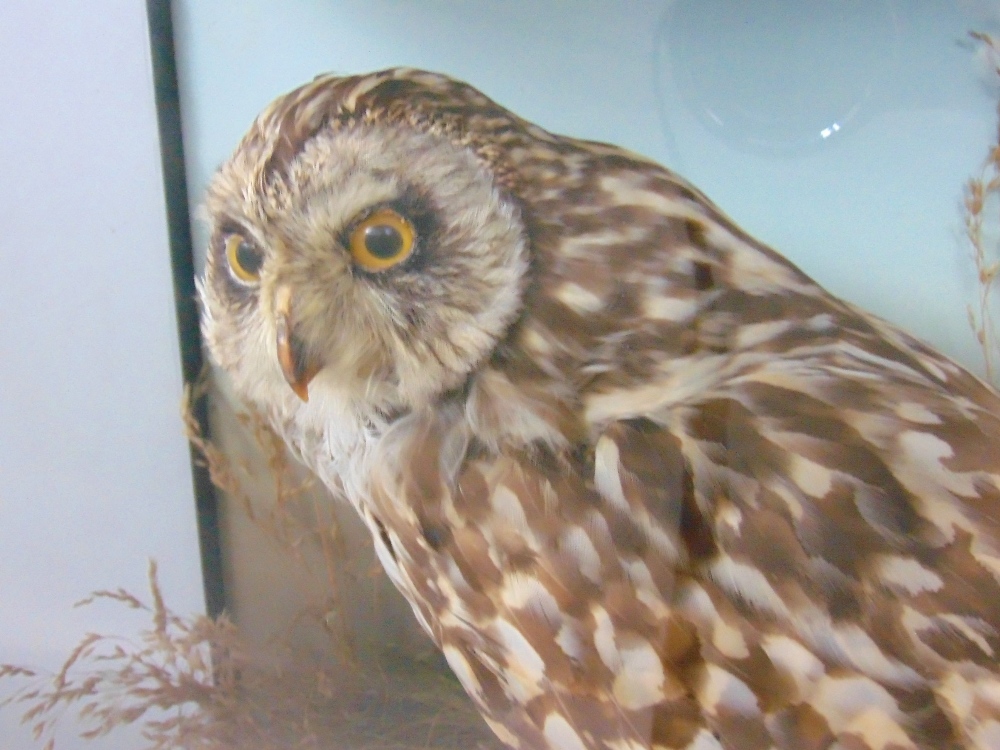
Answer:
(837, 524)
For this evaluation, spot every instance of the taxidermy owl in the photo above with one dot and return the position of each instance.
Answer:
(644, 482)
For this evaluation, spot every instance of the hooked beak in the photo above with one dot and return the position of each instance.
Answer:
(296, 368)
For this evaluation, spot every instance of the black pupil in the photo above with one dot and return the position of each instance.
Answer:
(249, 258)
(383, 241)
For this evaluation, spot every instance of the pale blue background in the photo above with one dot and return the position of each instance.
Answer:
(873, 211)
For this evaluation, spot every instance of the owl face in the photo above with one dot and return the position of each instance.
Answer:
(357, 262)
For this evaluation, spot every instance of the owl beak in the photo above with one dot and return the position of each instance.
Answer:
(295, 365)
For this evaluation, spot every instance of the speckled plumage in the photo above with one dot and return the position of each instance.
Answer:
(644, 482)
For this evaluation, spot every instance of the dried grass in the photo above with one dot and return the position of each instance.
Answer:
(297, 516)
(195, 684)
(981, 210)
(176, 681)
(284, 522)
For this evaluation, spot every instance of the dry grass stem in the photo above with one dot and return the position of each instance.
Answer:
(981, 210)
(195, 684)
(294, 517)
(168, 681)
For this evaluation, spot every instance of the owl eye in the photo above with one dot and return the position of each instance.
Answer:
(381, 241)
(244, 258)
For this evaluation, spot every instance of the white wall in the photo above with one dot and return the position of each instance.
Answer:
(94, 471)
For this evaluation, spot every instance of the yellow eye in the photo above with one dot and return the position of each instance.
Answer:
(244, 258)
(381, 241)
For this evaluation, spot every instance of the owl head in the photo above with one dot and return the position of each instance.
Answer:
(362, 246)
(385, 241)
